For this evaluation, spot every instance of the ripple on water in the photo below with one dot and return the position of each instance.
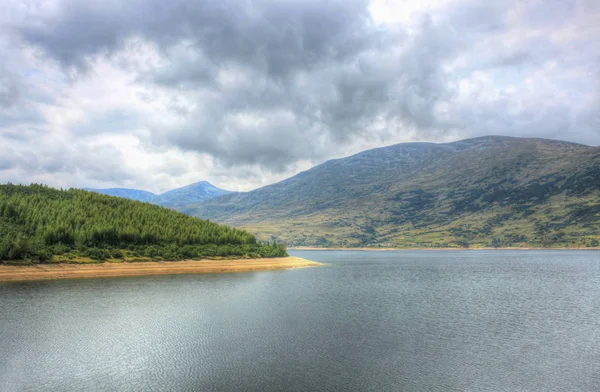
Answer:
(384, 321)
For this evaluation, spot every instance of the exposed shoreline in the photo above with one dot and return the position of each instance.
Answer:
(432, 249)
(102, 270)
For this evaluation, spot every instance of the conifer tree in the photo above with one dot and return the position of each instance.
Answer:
(37, 222)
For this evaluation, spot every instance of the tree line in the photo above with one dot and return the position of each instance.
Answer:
(38, 222)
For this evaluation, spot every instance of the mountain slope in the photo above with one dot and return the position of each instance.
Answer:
(490, 191)
(133, 194)
(42, 224)
(189, 194)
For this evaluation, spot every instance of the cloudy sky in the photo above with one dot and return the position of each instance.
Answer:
(155, 94)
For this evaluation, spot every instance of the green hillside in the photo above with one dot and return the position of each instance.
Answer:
(44, 224)
(490, 191)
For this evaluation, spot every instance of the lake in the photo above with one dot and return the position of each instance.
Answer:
(369, 321)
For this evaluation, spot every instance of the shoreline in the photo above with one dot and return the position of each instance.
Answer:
(12, 273)
(366, 249)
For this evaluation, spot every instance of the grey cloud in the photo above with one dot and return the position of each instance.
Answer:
(112, 121)
(323, 106)
(275, 143)
(10, 88)
(100, 163)
(18, 116)
(553, 12)
(399, 79)
(271, 41)
(276, 36)
(188, 67)
(17, 99)
(514, 57)
(7, 160)
(20, 134)
(480, 17)
(308, 78)
(531, 51)
(5, 163)
(12, 85)
(424, 81)
(47, 156)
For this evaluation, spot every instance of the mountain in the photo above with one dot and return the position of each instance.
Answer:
(42, 224)
(489, 191)
(189, 194)
(133, 194)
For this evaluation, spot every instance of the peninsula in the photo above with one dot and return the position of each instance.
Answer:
(47, 233)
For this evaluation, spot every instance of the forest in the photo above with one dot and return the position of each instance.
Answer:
(43, 224)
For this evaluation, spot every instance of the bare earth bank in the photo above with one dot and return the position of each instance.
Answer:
(66, 271)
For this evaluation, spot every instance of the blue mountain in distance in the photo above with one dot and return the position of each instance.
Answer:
(133, 194)
(189, 194)
(196, 192)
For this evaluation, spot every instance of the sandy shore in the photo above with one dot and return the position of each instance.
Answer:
(69, 271)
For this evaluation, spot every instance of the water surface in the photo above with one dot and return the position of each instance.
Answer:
(371, 321)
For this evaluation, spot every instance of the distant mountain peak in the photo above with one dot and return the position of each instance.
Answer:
(188, 194)
(133, 194)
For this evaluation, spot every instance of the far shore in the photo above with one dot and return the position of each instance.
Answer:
(434, 249)
(105, 270)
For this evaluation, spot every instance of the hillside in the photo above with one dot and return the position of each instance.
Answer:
(490, 191)
(45, 224)
(189, 194)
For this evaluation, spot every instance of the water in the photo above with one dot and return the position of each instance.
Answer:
(371, 321)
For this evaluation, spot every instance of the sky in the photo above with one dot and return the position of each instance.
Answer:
(154, 94)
